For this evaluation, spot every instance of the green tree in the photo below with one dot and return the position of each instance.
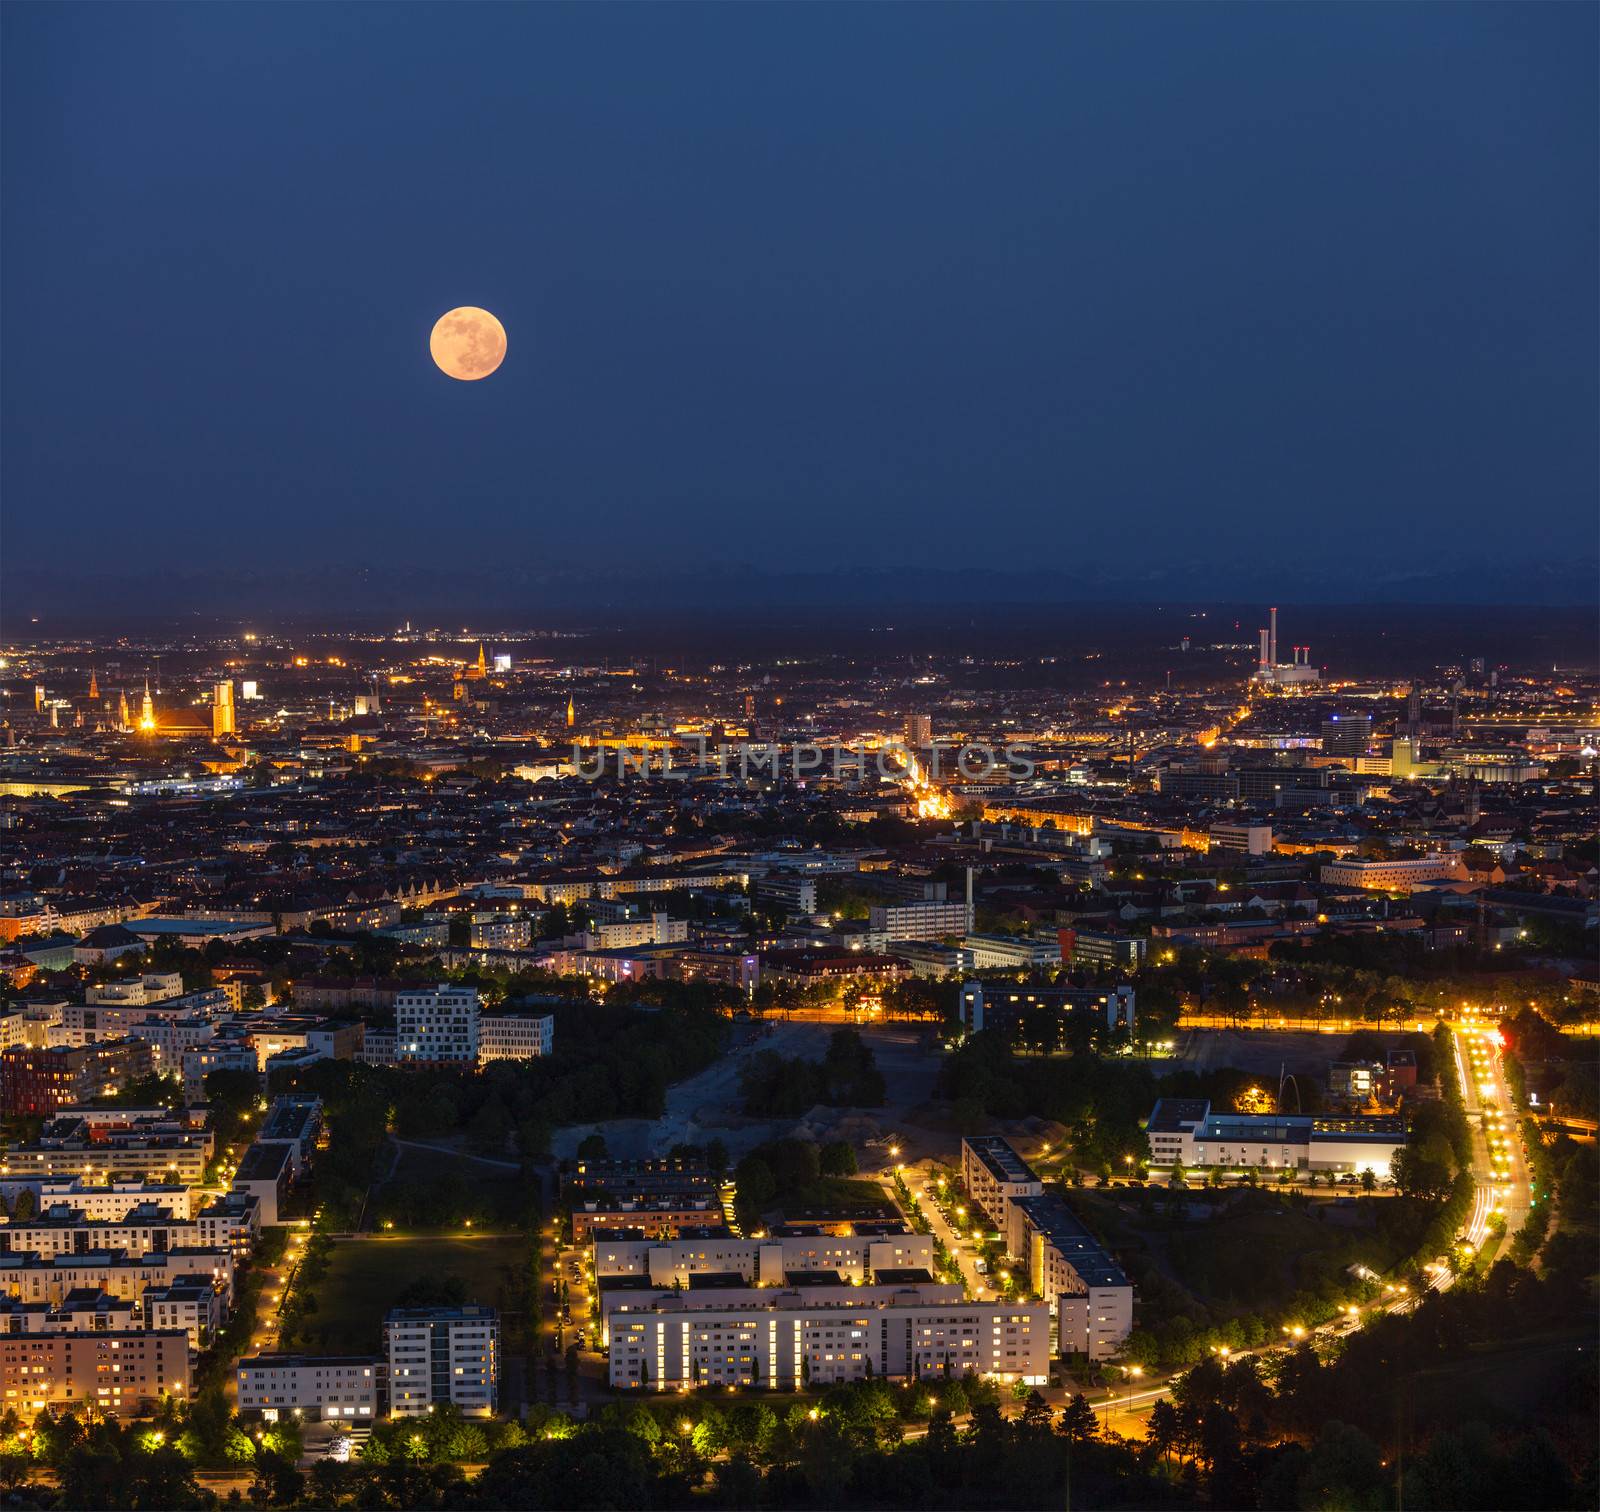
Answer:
(838, 1158)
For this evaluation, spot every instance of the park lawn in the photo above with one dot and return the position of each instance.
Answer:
(1259, 1256)
(836, 1192)
(435, 1191)
(365, 1276)
(1261, 1249)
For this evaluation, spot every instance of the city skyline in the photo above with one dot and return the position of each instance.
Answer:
(799, 756)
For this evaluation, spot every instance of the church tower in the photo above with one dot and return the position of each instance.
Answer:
(94, 687)
(572, 713)
(147, 709)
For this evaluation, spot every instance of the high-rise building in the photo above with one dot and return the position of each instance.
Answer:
(1347, 734)
(223, 721)
(918, 731)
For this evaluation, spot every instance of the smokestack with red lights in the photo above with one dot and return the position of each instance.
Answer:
(1264, 662)
(1272, 636)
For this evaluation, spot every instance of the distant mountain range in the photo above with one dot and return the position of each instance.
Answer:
(434, 594)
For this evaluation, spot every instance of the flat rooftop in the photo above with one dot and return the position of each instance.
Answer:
(1051, 1216)
(999, 1157)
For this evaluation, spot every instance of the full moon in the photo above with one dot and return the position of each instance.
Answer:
(468, 343)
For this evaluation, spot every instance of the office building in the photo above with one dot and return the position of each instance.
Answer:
(1185, 1131)
(440, 1355)
(920, 919)
(1398, 875)
(1347, 734)
(509, 1035)
(1093, 947)
(1244, 839)
(1012, 952)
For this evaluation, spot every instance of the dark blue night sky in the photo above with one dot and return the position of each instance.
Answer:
(1129, 286)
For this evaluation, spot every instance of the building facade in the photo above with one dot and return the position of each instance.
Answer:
(437, 1025)
(439, 1355)
(339, 1388)
(121, 1374)
(515, 1036)
(820, 1336)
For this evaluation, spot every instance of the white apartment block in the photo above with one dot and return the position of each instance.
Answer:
(100, 1204)
(819, 1336)
(61, 1231)
(195, 1305)
(70, 1226)
(920, 919)
(137, 991)
(762, 1262)
(439, 1355)
(336, 1387)
(995, 1176)
(436, 1024)
(628, 934)
(169, 1038)
(1084, 1288)
(30, 1279)
(1087, 1290)
(199, 1061)
(514, 1036)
